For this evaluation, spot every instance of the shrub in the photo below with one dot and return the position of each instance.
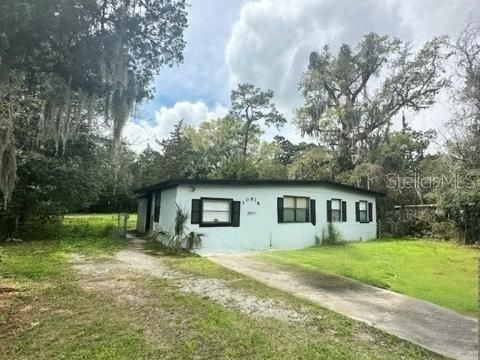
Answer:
(445, 230)
(41, 228)
(179, 239)
(331, 235)
(193, 240)
(109, 230)
(81, 230)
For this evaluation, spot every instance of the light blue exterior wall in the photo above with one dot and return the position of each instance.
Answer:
(259, 228)
(167, 209)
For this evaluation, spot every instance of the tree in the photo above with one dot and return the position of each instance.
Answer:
(351, 98)
(67, 70)
(461, 200)
(148, 167)
(218, 142)
(289, 151)
(179, 159)
(66, 64)
(116, 195)
(404, 150)
(465, 124)
(48, 187)
(252, 105)
(268, 163)
(315, 164)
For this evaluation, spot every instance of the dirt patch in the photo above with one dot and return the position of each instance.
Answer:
(118, 277)
(216, 290)
(110, 278)
(115, 281)
(7, 295)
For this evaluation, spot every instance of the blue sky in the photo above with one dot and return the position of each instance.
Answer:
(267, 43)
(204, 72)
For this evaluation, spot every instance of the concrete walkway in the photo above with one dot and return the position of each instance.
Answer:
(430, 326)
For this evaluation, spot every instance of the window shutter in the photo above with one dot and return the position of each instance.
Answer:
(344, 211)
(313, 213)
(196, 211)
(357, 211)
(148, 218)
(280, 209)
(236, 213)
(370, 212)
(329, 210)
(308, 211)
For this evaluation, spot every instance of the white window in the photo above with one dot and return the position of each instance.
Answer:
(216, 211)
(363, 211)
(336, 210)
(295, 209)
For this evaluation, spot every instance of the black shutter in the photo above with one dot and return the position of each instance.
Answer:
(329, 210)
(308, 211)
(357, 211)
(236, 213)
(196, 211)
(370, 212)
(313, 213)
(148, 218)
(158, 196)
(280, 209)
(344, 211)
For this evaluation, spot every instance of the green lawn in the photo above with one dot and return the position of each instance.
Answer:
(442, 273)
(53, 316)
(99, 221)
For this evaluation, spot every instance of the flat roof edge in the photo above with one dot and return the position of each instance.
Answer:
(175, 182)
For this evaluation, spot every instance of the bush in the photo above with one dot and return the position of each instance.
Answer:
(331, 236)
(81, 230)
(109, 230)
(41, 228)
(179, 240)
(445, 230)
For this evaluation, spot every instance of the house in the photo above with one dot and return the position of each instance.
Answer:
(260, 214)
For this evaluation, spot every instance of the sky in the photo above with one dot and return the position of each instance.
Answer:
(268, 42)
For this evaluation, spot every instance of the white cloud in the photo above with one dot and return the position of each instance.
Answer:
(139, 134)
(272, 39)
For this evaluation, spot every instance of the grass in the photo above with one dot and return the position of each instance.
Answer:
(54, 317)
(442, 273)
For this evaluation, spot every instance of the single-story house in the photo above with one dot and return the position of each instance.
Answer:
(259, 214)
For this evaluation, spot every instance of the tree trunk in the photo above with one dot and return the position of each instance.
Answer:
(245, 142)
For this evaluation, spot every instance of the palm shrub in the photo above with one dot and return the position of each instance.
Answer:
(180, 239)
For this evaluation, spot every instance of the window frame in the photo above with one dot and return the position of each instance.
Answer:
(307, 217)
(340, 218)
(216, 224)
(360, 212)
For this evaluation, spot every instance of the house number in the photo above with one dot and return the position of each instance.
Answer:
(250, 199)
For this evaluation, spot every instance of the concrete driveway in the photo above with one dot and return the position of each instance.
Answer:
(433, 327)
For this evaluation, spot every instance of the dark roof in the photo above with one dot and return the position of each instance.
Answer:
(172, 183)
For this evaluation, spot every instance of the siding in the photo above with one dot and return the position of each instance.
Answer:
(141, 215)
(258, 220)
(168, 209)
